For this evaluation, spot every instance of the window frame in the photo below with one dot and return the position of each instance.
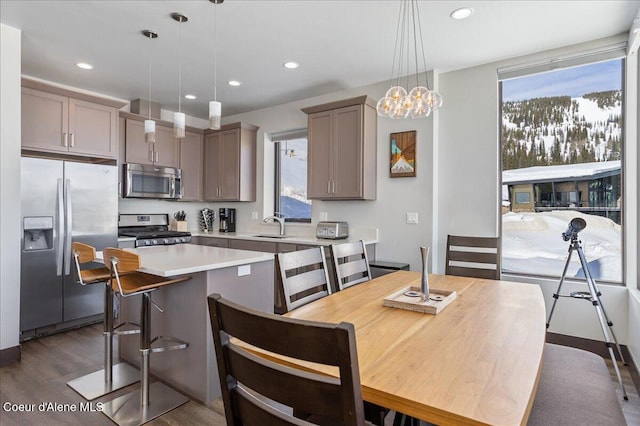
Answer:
(276, 186)
(520, 71)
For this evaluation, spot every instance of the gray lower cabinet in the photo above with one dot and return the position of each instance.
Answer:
(210, 241)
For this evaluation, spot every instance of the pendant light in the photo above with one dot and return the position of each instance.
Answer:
(215, 107)
(400, 101)
(149, 125)
(179, 118)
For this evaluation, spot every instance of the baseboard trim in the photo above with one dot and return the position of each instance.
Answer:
(10, 356)
(597, 347)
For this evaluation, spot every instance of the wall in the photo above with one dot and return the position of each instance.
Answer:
(634, 281)
(9, 186)
(399, 241)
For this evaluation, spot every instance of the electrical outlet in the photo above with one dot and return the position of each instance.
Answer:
(323, 216)
(254, 215)
(412, 218)
(244, 270)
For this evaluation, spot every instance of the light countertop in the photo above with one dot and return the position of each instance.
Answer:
(291, 239)
(179, 259)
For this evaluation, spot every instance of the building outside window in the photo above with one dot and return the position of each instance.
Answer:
(291, 177)
(561, 143)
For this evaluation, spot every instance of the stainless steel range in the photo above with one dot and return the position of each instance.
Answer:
(150, 230)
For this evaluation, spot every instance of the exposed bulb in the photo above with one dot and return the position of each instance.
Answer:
(418, 93)
(396, 93)
(179, 125)
(384, 106)
(434, 100)
(215, 114)
(420, 109)
(149, 131)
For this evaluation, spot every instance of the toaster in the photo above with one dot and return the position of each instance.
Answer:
(332, 230)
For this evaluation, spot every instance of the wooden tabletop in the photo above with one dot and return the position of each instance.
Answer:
(476, 362)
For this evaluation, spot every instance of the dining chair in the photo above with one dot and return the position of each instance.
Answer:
(350, 264)
(477, 257)
(304, 276)
(257, 390)
(111, 377)
(150, 401)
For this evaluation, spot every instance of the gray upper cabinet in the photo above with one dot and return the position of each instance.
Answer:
(230, 163)
(54, 121)
(191, 164)
(164, 152)
(342, 150)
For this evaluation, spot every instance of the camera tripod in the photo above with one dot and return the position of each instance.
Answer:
(593, 296)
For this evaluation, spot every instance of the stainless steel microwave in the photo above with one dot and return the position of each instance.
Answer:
(143, 181)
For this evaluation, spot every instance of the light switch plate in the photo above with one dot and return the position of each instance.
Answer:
(244, 270)
(323, 216)
(412, 217)
(254, 215)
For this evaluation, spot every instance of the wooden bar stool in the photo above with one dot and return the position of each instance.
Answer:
(157, 399)
(111, 377)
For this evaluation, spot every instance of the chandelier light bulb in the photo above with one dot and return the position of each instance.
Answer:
(384, 106)
(420, 109)
(149, 131)
(215, 114)
(179, 120)
(434, 100)
(396, 93)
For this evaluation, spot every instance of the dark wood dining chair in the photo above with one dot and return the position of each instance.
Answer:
(350, 263)
(304, 276)
(251, 383)
(477, 257)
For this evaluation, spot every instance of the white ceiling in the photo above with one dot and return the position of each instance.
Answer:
(339, 43)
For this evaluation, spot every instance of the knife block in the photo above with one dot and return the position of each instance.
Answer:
(178, 225)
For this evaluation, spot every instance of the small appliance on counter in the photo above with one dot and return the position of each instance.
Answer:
(227, 220)
(332, 230)
(206, 218)
(150, 230)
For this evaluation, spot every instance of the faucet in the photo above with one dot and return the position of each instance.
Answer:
(277, 217)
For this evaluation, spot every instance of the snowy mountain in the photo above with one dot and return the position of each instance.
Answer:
(402, 166)
(562, 130)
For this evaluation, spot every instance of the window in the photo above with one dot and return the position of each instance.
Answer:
(291, 177)
(523, 198)
(561, 141)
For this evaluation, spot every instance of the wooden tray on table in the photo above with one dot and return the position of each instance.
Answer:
(404, 299)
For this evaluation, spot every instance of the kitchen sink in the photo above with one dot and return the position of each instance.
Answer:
(271, 236)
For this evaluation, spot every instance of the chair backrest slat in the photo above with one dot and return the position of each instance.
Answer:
(350, 263)
(253, 381)
(477, 257)
(304, 276)
(127, 261)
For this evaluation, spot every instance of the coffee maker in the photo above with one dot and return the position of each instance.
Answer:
(227, 220)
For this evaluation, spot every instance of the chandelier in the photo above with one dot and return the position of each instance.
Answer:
(400, 101)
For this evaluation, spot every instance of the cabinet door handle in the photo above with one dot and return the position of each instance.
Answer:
(73, 140)
(65, 140)
(157, 156)
(151, 155)
(333, 189)
(328, 187)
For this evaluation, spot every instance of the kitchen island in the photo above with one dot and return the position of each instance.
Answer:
(246, 277)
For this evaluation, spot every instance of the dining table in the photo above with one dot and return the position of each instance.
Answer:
(476, 362)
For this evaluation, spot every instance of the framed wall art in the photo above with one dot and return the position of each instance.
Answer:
(403, 154)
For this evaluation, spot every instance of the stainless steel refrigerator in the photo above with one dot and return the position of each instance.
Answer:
(62, 202)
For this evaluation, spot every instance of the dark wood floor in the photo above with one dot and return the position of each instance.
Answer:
(48, 363)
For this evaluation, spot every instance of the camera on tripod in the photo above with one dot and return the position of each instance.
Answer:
(576, 225)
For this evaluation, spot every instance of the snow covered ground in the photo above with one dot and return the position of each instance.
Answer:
(532, 244)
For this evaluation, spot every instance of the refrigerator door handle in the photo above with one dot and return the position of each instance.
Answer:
(60, 209)
(67, 245)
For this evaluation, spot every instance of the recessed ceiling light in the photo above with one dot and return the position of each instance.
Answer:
(84, 66)
(291, 65)
(234, 83)
(462, 13)
(192, 97)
